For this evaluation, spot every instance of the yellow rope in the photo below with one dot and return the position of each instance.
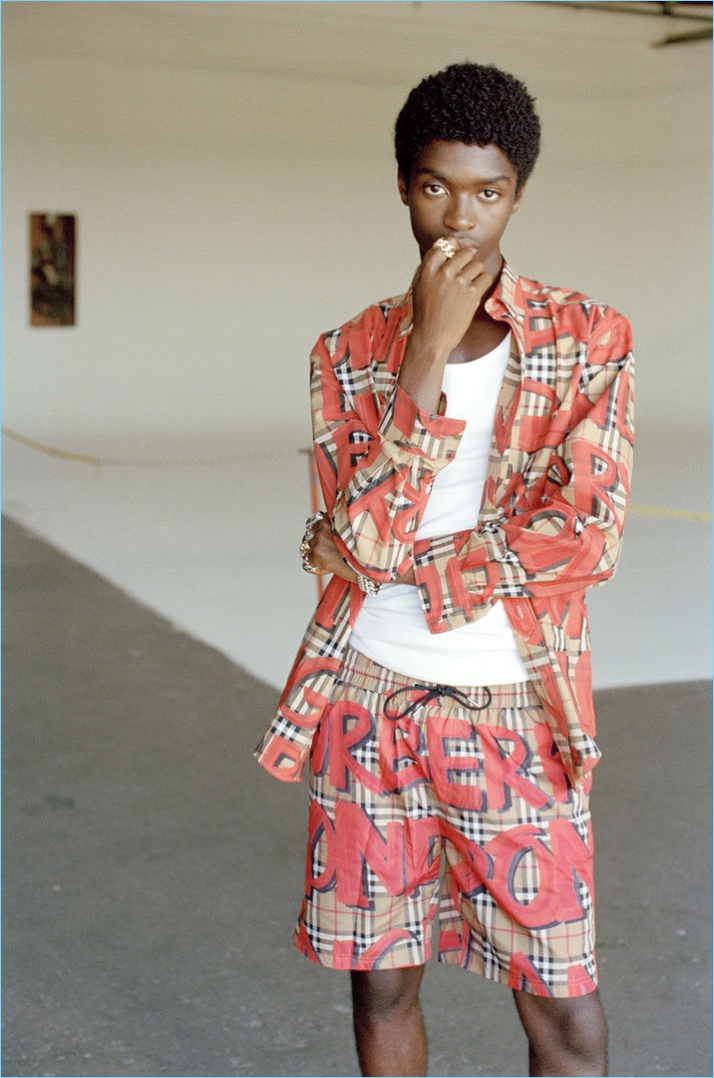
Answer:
(82, 458)
(662, 511)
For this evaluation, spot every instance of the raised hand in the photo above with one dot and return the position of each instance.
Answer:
(447, 289)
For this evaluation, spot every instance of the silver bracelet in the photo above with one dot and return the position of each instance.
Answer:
(369, 587)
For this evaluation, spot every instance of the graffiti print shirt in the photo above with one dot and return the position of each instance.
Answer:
(551, 518)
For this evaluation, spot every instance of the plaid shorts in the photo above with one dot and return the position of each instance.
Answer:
(429, 799)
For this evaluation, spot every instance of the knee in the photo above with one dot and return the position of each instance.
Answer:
(566, 1036)
(377, 993)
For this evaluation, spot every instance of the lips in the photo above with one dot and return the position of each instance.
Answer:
(463, 242)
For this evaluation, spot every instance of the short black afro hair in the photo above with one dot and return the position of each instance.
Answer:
(469, 103)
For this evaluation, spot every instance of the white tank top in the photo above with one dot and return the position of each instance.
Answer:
(391, 628)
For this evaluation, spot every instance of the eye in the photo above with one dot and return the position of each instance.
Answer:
(433, 188)
(490, 194)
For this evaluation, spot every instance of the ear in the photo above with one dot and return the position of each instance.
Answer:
(403, 188)
(519, 196)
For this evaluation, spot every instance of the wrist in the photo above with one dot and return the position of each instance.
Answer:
(421, 376)
(426, 349)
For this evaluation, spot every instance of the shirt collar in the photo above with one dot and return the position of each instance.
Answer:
(407, 320)
(507, 296)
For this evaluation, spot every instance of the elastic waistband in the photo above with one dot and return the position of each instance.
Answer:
(362, 672)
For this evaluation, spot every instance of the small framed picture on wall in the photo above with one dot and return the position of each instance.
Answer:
(53, 255)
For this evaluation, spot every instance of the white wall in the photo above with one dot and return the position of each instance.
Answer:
(231, 169)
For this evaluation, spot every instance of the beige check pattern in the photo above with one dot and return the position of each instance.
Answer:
(550, 524)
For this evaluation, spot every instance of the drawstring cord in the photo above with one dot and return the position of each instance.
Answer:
(431, 693)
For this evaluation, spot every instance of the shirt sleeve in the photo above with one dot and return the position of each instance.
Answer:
(377, 453)
(564, 532)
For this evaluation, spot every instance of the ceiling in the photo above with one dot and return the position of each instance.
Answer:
(162, 71)
(684, 23)
(350, 41)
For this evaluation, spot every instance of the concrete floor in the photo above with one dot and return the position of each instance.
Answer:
(152, 871)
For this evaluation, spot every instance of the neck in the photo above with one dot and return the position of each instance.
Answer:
(483, 335)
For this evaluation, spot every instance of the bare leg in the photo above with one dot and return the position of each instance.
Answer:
(565, 1036)
(388, 1023)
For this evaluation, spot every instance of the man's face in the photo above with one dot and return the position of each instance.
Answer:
(464, 192)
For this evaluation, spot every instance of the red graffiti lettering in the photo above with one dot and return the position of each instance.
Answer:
(475, 867)
(403, 857)
(522, 972)
(399, 748)
(504, 769)
(345, 728)
(320, 846)
(555, 899)
(455, 775)
(551, 762)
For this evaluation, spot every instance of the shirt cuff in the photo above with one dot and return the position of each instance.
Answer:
(406, 425)
(439, 579)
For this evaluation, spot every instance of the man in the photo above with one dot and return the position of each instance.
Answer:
(473, 440)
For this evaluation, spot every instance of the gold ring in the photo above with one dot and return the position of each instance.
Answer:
(447, 247)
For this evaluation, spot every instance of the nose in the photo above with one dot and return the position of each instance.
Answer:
(460, 214)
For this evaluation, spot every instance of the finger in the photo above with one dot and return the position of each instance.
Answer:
(467, 265)
(441, 251)
(312, 562)
(453, 264)
(322, 549)
(319, 565)
(445, 246)
(479, 277)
